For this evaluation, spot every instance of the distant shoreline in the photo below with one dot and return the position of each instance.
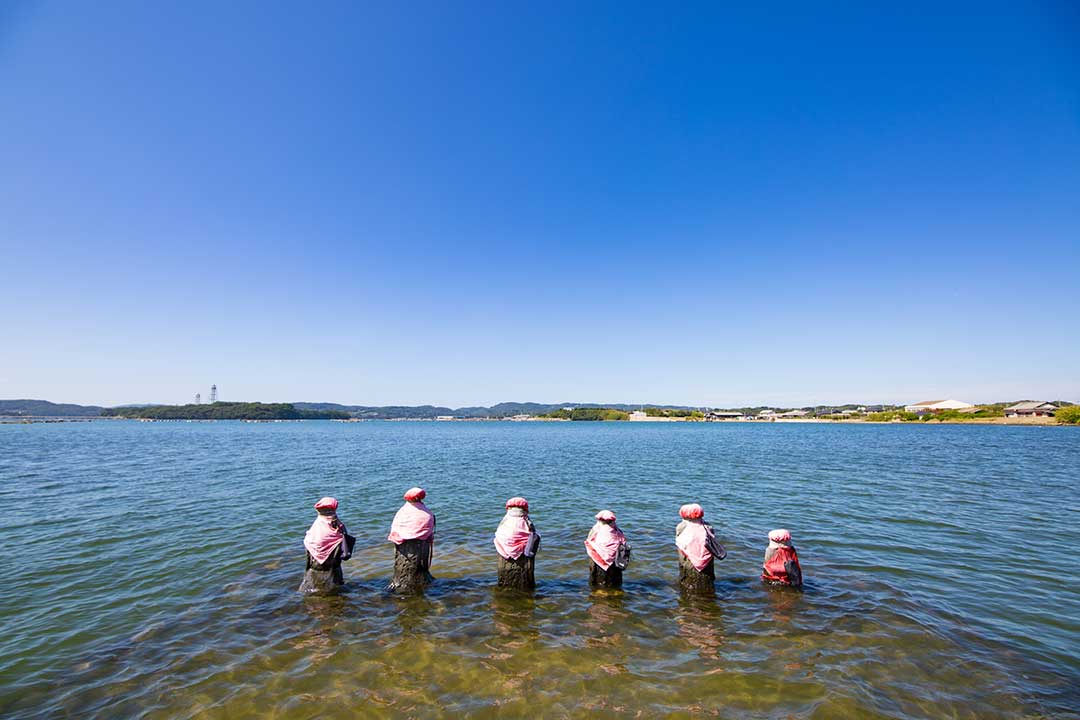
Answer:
(1008, 422)
(992, 414)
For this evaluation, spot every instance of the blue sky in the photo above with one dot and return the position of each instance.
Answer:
(470, 203)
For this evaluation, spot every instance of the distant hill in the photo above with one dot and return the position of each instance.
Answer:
(44, 408)
(225, 411)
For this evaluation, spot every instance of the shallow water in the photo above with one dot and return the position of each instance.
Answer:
(151, 570)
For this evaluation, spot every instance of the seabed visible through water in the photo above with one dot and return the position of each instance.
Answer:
(174, 557)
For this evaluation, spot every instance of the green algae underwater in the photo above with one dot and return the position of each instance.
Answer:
(151, 571)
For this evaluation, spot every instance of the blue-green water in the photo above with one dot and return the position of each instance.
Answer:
(151, 569)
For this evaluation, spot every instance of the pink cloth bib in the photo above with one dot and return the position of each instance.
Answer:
(412, 522)
(691, 542)
(512, 536)
(322, 538)
(603, 543)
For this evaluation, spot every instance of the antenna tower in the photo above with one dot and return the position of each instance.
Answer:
(213, 394)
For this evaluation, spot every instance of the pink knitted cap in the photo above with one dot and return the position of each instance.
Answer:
(691, 511)
(780, 536)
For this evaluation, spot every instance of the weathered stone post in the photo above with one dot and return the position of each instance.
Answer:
(608, 551)
(698, 549)
(413, 535)
(411, 562)
(323, 578)
(517, 542)
(692, 580)
(599, 577)
(327, 544)
(519, 573)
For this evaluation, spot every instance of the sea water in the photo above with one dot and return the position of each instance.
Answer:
(150, 570)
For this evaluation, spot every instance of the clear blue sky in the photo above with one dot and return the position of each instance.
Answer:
(470, 203)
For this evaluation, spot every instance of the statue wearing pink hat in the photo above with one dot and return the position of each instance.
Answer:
(517, 543)
(327, 544)
(413, 535)
(781, 566)
(608, 551)
(698, 548)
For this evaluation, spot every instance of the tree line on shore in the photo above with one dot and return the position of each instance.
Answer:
(225, 411)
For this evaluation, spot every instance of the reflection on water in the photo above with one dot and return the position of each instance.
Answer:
(326, 612)
(607, 618)
(512, 614)
(785, 602)
(164, 622)
(701, 624)
(412, 612)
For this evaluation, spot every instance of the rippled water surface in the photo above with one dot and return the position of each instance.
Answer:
(151, 570)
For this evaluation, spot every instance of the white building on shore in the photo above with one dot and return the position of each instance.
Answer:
(642, 416)
(933, 406)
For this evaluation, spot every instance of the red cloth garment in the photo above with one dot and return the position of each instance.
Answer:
(324, 535)
(512, 535)
(776, 556)
(412, 522)
(691, 541)
(603, 543)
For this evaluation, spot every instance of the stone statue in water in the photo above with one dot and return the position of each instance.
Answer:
(608, 551)
(327, 544)
(413, 535)
(517, 542)
(781, 566)
(698, 549)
